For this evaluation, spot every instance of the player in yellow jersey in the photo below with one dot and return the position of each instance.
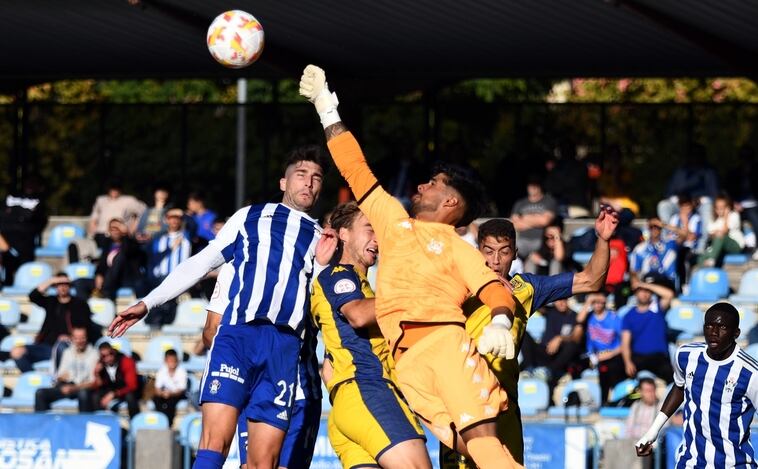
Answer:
(370, 425)
(497, 242)
(425, 274)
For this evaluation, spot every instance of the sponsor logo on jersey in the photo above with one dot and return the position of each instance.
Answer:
(228, 372)
(282, 415)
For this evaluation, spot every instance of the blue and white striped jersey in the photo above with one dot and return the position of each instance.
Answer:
(271, 248)
(719, 404)
(164, 256)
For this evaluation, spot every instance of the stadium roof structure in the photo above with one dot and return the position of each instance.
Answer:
(418, 41)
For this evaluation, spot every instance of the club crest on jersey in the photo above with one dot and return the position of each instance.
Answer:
(691, 375)
(435, 246)
(731, 383)
(215, 386)
(344, 286)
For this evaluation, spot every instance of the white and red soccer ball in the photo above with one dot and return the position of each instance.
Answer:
(235, 39)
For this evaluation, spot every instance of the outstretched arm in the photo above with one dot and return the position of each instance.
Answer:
(592, 277)
(674, 399)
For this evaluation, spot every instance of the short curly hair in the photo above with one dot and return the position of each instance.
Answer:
(467, 183)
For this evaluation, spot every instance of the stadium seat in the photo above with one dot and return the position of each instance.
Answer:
(748, 320)
(150, 420)
(80, 270)
(156, 350)
(103, 311)
(60, 237)
(533, 396)
(33, 321)
(125, 292)
(26, 386)
(195, 364)
(589, 394)
(581, 257)
(707, 284)
(736, 259)
(120, 344)
(748, 290)
(10, 313)
(615, 412)
(190, 318)
(535, 326)
(752, 350)
(620, 312)
(14, 340)
(623, 389)
(190, 431)
(28, 276)
(688, 319)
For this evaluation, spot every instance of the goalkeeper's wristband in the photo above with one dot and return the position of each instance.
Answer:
(326, 106)
(502, 320)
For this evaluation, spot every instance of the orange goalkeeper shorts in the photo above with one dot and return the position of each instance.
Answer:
(448, 384)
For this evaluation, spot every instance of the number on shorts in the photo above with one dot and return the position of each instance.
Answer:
(279, 399)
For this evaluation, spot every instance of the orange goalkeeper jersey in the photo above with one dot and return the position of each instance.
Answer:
(426, 271)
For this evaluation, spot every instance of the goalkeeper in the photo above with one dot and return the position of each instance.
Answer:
(425, 273)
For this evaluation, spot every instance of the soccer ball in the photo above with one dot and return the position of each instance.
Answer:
(235, 39)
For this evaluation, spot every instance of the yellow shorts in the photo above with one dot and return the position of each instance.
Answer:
(509, 431)
(448, 384)
(367, 419)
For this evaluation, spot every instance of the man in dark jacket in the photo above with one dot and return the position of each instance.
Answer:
(22, 218)
(116, 381)
(63, 312)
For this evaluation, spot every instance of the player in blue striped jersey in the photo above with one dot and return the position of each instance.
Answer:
(718, 383)
(252, 365)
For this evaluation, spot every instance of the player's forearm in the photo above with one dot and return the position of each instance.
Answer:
(184, 276)
(499, 300)
(360, 313)
(349, 159)
(592, 277)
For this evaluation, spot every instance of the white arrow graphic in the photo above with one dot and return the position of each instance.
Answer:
(98, 457)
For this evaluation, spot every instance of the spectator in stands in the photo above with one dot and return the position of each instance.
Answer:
(166, 252)
(113, 205)
(603, 331)
(686, 227)
(4, 332)
(553, 257)
(531, 215)
(63, 313)
(743, 187)
(75, 377)
(201, 226)
(116, 381)
(22, 219)
(153, 222)
(656, 256)
(120, 262)
(170, 385)
(696, 178)
(724, 234)
(643, 411)
(557, 349)
(644, 344)
(626, 231)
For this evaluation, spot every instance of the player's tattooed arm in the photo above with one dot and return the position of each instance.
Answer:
(334, 130)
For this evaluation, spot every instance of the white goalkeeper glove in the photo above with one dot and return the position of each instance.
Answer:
(314, 87)
(651, 435)
(497, 339)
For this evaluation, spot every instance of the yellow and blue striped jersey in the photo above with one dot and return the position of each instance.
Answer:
(531, 292)
(359, 354)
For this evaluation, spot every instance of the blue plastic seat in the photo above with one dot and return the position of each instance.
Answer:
(623, 389)
(26, 386)
(686, 318)
(33, 321)
(10, 312)
(589, 393)
(120, 344)
(60, 237)
(748, 320)
(150, 420)
(581, 257)
(103, 311)
(748, 289)
(533, 396)
(707, 284)
(190, 318)
(80, 270)
(156, 350)
(736, 259)
(535, 326)
(190, 431)
(28, 276)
